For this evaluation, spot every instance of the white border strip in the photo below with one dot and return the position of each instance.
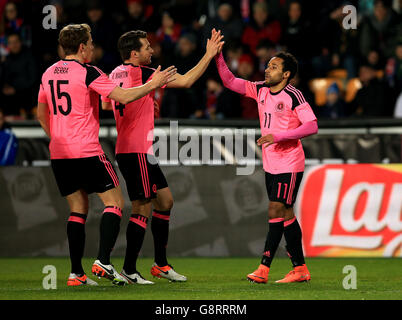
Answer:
(106, 131)
(386, 130)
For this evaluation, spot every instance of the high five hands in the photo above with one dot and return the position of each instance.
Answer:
(215, 44)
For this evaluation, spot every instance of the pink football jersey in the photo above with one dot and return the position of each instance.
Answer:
(71, 90)
(279, 112)
(134, 121)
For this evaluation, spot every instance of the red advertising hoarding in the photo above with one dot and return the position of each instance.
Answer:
(351, 210)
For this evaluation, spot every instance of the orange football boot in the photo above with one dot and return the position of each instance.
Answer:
(167, 272)
(260, 275)
(298, 274)
(75, 280)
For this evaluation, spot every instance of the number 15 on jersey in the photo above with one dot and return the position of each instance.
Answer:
(60, 94)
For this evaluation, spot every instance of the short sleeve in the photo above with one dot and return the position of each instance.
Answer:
(305, 113)
(42, 95)
(98, 81)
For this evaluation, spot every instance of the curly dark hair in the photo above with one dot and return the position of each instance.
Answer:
(289, 63)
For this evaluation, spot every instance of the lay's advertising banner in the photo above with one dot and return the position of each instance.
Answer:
(351, 210)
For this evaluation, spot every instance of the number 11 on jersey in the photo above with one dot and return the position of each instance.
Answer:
(267, 117)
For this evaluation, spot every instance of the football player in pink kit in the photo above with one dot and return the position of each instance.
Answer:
(68, 110)
(285, 118)
(145, 181)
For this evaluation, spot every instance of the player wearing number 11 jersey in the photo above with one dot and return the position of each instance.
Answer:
(285, 118)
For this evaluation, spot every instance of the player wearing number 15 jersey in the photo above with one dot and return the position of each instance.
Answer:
(68, 110)
(285, 118)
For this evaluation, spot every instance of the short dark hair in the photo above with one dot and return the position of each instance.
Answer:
(72, 35)
(130, 41)
(289, 63)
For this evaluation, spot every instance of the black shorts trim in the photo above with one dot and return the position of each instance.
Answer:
(283, 187)
(92, 174)
(142, 174)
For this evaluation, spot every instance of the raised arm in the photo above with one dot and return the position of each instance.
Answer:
(188, 79)
(228, 79)
(159, 79)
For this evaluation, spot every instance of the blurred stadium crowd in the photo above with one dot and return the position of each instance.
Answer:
(342, 72)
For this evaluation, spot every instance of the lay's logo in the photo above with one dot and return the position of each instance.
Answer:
(352, 210)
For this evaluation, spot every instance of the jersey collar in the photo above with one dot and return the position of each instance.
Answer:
(275, 93)
(130, 64)
(75, 60)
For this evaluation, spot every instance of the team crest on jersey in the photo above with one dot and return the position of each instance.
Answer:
(279, 107)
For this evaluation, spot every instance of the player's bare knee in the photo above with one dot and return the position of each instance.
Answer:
(289, 213)
(275, 214)
(165, 204)
(169, 204)
(112, 197)
(119, 201)
(80, 207)
(142, 207)
(276, 210)
(119, 198)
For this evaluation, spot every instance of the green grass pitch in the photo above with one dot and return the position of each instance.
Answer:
(210, 279)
